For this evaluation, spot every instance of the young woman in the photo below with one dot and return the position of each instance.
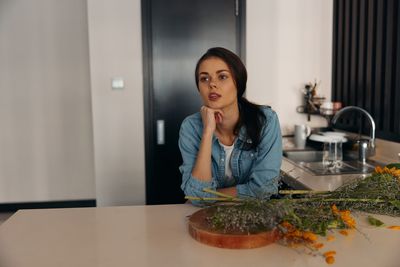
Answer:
(231, 145)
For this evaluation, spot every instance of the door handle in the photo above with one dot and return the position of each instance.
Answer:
(160, 132)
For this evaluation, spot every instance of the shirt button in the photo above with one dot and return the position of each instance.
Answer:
(251, 154)
(222, 160)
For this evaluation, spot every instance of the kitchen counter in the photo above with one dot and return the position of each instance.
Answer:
(299, 178)
(158, 236)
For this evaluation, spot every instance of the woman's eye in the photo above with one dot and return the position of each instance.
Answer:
(223, 77)
(204, 79)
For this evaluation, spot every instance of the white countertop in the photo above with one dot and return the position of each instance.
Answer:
(158, 236)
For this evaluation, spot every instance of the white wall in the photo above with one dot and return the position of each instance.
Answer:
(46, 145)
(115, 51)
(289, 43)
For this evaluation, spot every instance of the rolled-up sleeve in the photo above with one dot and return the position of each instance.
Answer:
(264, 176)
(189, 143)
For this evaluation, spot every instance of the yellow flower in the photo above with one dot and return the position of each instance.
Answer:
(330, 259)
(330, 238)
(344, 215)
(309, 236)
(385, 170)
(330, 253)
(344, 232)
(335, 210)
(347, 219)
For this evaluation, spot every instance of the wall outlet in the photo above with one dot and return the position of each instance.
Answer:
(117, 83)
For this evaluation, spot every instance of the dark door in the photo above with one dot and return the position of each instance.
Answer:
(175, 34)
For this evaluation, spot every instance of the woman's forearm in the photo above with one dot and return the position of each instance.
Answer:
(202, 167)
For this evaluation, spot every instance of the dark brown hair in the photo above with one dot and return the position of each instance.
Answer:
(250, 114)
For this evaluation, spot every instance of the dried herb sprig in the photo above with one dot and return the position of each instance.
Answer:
(250, 216)
(312, 211)
(300, 214)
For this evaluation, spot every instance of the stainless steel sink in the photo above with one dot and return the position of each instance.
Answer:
(312, 161)
(304, 155)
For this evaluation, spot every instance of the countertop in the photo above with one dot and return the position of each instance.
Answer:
(158, 236)
(299, 178)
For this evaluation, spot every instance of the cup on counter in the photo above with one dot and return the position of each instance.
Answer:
(301, 132)
(332, 156)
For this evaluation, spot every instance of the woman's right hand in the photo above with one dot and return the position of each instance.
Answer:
(210, 118)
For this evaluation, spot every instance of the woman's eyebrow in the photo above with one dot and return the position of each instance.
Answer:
(218, 71)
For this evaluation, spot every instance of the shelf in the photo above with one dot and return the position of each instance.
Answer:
(328, 117)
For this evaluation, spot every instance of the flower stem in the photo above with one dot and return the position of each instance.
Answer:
(208, 198)
(208, 190)
(301, 192)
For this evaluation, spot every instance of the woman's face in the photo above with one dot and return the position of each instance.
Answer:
(216, 85)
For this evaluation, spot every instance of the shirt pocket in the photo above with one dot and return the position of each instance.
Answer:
(246, 162)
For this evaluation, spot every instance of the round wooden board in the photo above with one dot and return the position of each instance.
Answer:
(200, 230)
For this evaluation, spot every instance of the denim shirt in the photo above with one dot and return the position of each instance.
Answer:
(256, 172)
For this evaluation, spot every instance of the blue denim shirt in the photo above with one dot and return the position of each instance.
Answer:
(256, 171)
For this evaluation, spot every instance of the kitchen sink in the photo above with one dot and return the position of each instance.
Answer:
(312, 161)
(304, 155)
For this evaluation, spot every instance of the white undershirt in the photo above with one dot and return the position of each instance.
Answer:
(228, 170)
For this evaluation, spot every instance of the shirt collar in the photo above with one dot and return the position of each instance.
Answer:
(241, 136)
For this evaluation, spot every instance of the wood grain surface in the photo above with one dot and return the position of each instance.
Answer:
(202, 231)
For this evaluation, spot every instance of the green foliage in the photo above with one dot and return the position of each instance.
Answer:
(395, 165)
(377, 194)
(374, 221)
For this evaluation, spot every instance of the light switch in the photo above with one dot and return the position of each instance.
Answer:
(117, 83)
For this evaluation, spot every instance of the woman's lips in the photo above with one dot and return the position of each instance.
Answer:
(213, 96)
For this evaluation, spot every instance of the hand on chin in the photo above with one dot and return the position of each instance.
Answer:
(218, 117)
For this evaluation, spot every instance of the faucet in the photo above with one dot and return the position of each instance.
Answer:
(366, 147)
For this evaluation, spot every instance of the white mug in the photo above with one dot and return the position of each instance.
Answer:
(301, 132)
